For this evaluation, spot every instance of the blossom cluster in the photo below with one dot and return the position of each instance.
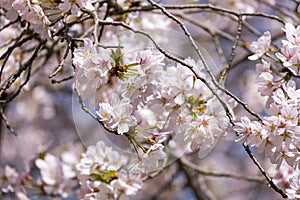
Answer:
(54, 176)
(100, 172)
(103, 175)
(159, 107)
(9, 180)
(140, 96)
(57, 174)
(41, 15)
(277, 134)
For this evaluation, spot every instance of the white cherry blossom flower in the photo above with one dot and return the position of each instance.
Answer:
(149, 58)
(287, 96)
(105, 192)
(49, 169)
(96, 66)
(263, 67)
(132, 182)
(81, 53)
(261, 46)
(102, 156)
(292, 33)
(265, 83)
(21, 196)
(119, 190)
(38, 20)
(21, 6)
(152, 160)
(283, 176)
(122, 118)
(289, 55)
(55, 174)
(11, 13)
(105, 112)
(294, 191)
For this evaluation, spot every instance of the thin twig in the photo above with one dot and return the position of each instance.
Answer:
(26, 67)
(53, 81)
(85, 108)
(191, 165)
(61, 64)
(96, 25)
(204, 26)
(104, 18)
(200, 55)
(261, 169)
(5, 121)
(7, 53)
(224, 72)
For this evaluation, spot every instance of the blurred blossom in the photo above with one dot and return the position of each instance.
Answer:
(9, 179)
(21, 196)
(31, 136)
(56, 174)
(292, 33)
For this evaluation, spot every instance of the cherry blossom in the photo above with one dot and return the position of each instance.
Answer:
(101, 168)
(10, 179)
(100, 156)
(130, 181)
(11, 13)
(292, 33)
(288, 179)
(294, 191)
(81, 53)
(261, 46)
(55, 174)
(289, 56)
(277, 133)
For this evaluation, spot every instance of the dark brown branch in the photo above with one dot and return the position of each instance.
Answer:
(5, 121)
(224, 72)
(14, 77)
(261, 169)
(61, 64)
(53, 81)
(7, 53)
(85, 108)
